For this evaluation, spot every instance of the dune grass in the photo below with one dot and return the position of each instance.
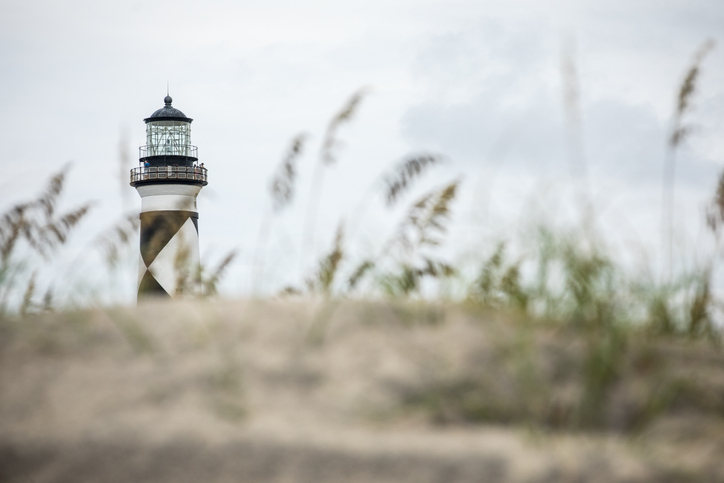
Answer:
(619, 326)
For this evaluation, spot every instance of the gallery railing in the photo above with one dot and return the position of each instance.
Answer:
(191, 173)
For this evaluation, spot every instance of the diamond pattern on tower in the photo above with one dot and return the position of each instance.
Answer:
(178, 254)
(157, 229)
(142, 269)
(169, 241)
(149, 286)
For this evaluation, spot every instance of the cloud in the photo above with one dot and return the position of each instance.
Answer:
(494, 98)
(482, 132)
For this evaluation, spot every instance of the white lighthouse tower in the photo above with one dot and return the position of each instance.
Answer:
(168, 180)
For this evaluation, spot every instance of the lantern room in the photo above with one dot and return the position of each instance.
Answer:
(168, 156)
(168, 138)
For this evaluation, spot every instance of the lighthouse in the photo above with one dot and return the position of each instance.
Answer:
(168, 179)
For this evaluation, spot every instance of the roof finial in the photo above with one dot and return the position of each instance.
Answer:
(167, 100)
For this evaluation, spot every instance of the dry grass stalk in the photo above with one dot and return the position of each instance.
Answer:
(426, 218)
(578, 164)
(36, 221)
(27, 302)
(686, 92)
(715, 211)
(345, 115)
(403, 174)
(117, 238)
(327, 157)
(38, 224)
(210, 282)
(395, 183)
(358, 274)
(423, 227)
(328, 266)
(282, 184)
(679, 132)
(281, 190)
(700, 322)
(499, 284)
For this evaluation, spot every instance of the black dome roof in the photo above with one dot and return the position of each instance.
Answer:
(168, 113)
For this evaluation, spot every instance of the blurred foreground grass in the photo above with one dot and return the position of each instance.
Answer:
(352, 391)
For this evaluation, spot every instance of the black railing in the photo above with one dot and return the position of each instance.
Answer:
(190, 173)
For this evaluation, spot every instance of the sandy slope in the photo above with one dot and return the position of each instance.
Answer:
(249, 391)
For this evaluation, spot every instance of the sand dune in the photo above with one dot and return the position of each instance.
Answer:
(303, 391)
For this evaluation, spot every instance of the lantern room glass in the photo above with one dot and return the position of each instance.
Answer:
(168, 138)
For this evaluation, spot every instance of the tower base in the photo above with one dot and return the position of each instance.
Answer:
(169, 249)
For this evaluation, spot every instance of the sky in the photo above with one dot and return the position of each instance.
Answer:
(478, 82)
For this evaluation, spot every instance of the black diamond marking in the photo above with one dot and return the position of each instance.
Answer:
(150, 287)
(157, 229)
(195, 220)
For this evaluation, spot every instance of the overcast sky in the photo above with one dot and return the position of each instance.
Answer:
(478, 81)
